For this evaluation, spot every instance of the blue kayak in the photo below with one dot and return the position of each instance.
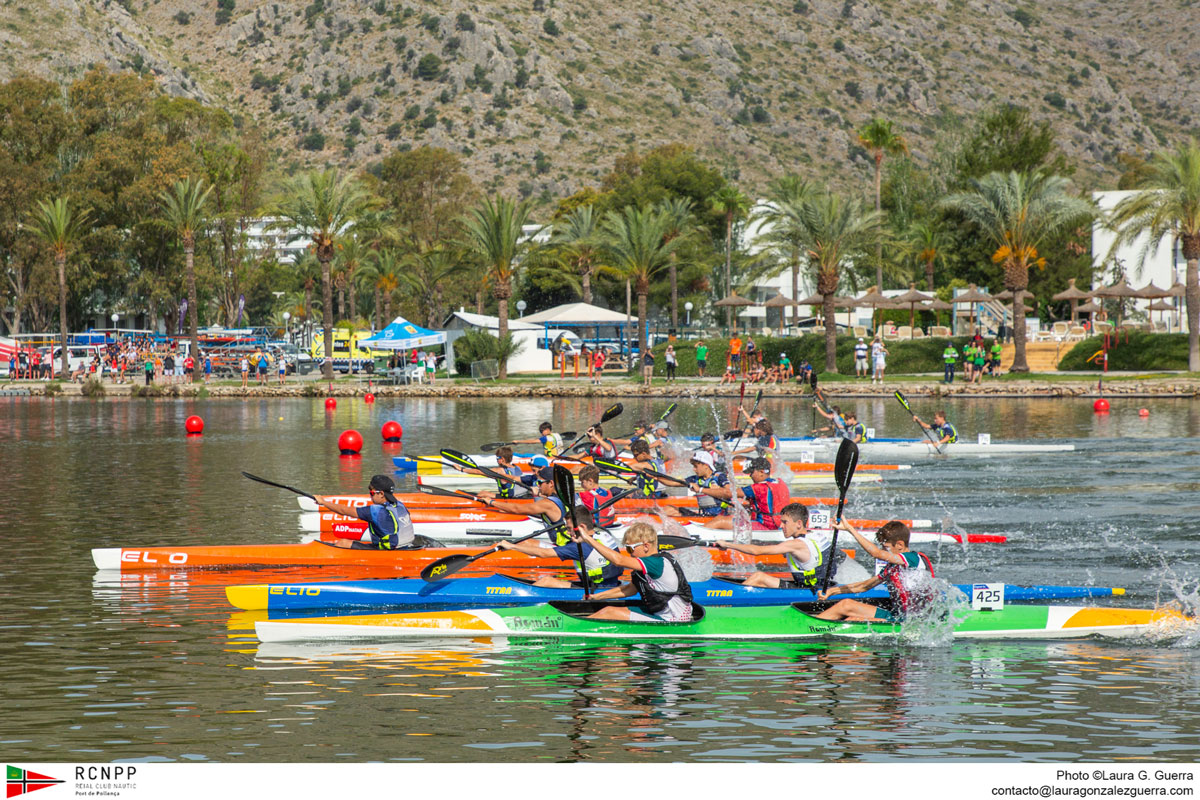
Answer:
(501, 590)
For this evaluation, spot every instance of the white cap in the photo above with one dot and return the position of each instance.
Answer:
(704, 457)
(860, 338)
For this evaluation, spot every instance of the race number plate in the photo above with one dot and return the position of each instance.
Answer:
(985, 438)
(806, 456)
(987, 596)
(819, 520)
(870, 433)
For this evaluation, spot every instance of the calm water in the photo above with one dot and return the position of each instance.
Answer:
(157, 667)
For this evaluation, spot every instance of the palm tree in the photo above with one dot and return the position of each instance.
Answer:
(382, 273)
(578, 237)
(61, 228)
(495, 231)
(880, 139)
(183, 211)
(839, 233)
(677, 215)
(785, 215)
(1169, 203)
(427, 274)
(638, 247)
(928, 241)
(349, 259)
(732, 205)
(325, 207)
(1017, 212)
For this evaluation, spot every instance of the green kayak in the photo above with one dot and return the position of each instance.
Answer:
(767, 622)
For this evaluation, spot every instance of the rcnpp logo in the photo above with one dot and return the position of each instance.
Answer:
(23, 781)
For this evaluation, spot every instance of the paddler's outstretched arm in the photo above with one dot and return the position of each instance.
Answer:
(798, 546)
(873, 549)
(528, 548)
(541, 505)
(851, 588)
(337, 508)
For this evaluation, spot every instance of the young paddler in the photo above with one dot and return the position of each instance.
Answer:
(546, 503)
(591, 496)
(907, 576)
(808, 555)
(646, 485)
(598, 446)
(601, 573)
(656, 577)
(714, 494)
(765, 497)
(518, 484)
(946, 433)
(551, 442)
(387, 519)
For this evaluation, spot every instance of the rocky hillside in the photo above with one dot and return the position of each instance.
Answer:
(541, 95)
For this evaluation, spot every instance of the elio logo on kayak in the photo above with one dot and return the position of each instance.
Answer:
(22, 781)
(297, 591)
(140, 557)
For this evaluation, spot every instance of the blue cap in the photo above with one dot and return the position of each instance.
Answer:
(540, 461)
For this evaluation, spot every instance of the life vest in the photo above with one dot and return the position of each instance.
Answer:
(708, 501)
(506, 490)
(552, 444)
(947, 430)
(655, 600)
(766, 446)
(562, 512)
(857, 433)
(906, 597)
(805, 572)
(401, 525)
(598, 568)
(605, 448)
(591, 498)
(646, 485)
(766, 500)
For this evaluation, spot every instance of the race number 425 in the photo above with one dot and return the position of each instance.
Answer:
(987, 596)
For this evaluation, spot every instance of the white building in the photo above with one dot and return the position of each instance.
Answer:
(531, 358)
(287, 245)
(1164, 264)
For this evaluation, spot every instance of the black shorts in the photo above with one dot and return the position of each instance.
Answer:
(735, 358)
(702, 363)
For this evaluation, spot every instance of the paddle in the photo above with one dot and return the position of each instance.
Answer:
(445, 567)
(490, 446)
(757, 400)
(440, 492)
(564, 487)
(924, 430)
(843, 472)
(279, 485)
(611, 413)
(625, 469)
(464, 461)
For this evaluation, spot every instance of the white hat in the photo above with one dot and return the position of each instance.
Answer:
(704, 457)
(860, 338)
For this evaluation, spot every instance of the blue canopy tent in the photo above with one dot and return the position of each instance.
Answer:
(400, 334)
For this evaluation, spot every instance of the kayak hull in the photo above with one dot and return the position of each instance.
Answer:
(782, 623)
(903, 450)
(476, 482)
(504, 590)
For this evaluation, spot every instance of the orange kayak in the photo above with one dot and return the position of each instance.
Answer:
(319, 554)
(415, 500)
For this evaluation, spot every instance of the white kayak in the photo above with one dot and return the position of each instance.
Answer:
(901, 450)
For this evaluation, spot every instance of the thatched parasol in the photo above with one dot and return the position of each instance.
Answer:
(780, 302)
(733, 301)
(1074, 294)
(910, 299)
(1119, 290)
(1151, 292)
(875, 299)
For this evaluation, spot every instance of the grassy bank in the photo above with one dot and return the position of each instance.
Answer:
(1135, 351)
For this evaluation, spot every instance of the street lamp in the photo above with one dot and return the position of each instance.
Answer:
(114, 318)
(521, 307)
(688, 308)
(286, 327)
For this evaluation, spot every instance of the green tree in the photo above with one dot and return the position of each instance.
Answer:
(61, 228)
(928, 243)
(427, 274)
(183, 210)
(839, 233)
(428, 190)
(324, 206)
(680, 224)
(784, 214)
(494, 231)
(879, 137)
(638, 247)
(1016, 213)
(576, 239)
(730, 205)
(1168, 207)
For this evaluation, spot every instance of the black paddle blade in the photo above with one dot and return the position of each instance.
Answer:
(564, 486)
(490, 446)
(668, 542)
(733, 434)
(844, 464)
(444, 568)
(903, 401)
(608, 463)
(456, 457)
(612, 413)
(757, 400)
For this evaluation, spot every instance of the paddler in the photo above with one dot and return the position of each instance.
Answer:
(855, 430)
(765, 496)
(714, 495)
(837, 428)
(646, 485)
(665, 593)
(906, 576)
(807, 553)
(387, 519)
(601, 573)
(641, 432)
(598, 446)
(946, 433)
(765, 444)
(551, 442)
(592, 496)
(506, 489)
(546, 503)
(708, 443)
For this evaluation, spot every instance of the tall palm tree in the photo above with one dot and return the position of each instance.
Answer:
(577, 234)
(324, 206)
(880, 139)
(183, 211)
(677, 215)
(1017, 212)
(839, 234)
(61, 228)
(785, 215)
(639, 248)
(928, 242)
(495, 231)
(427, 273)
(382, 273)
(1169, 203)
(731, 205)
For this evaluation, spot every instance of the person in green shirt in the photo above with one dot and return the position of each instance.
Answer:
(980, 361)
(950, 357)
(701, 357)
(996, 350)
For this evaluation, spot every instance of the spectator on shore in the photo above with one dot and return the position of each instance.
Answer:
(701, 357)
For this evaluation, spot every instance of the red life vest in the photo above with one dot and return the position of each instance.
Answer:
(591, 498)
(767, 499)
(905, 597)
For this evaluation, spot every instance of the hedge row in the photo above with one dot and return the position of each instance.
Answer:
(907, 356)
(1139, 352)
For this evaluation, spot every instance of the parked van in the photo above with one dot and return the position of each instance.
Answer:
(78, 356)
(347, 355)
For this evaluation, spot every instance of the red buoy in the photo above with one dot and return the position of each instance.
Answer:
(368, 398)
(392, 431)
(1100, 406)
(1143, 412)
(350, 443)
(330, 403)
(193, 425)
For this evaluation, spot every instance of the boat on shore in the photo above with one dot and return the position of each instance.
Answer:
(783, 623)
(509, 591)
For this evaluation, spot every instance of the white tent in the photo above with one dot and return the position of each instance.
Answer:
(578, 314)
(529, 359)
